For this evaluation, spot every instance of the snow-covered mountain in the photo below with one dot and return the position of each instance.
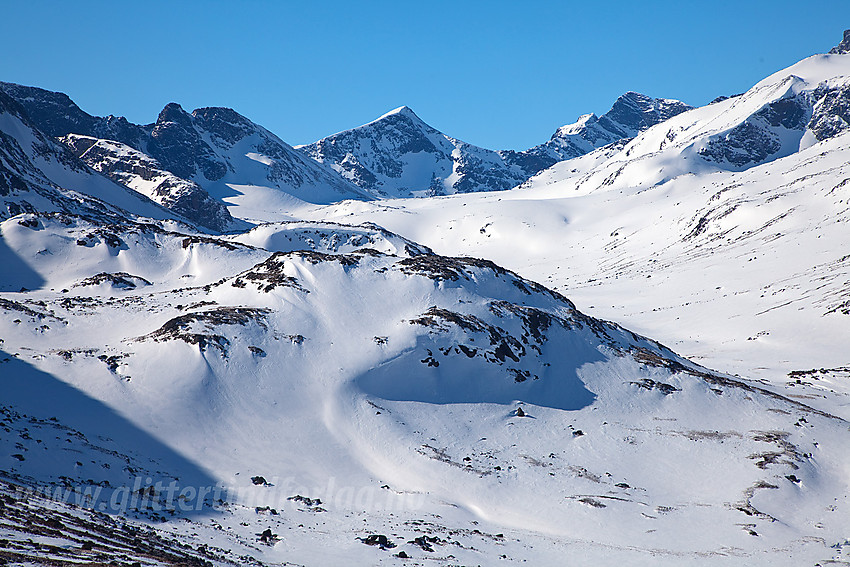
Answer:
(38, 174)
(239, 161)
(785, 113)
(353, 383)
(361, 386)
(631, 114)
(233, 159)
(399, 155)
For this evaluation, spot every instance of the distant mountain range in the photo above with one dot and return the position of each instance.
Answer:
(197, 164)
(211, 150)
(399, 155)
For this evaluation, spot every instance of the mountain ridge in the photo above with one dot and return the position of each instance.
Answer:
(207, 147)
(400, 155)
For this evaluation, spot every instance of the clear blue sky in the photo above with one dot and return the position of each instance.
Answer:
(500, 74)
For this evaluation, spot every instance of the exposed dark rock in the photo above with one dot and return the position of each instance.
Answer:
(269, 274)
(755, 140)
(179, 147)
(379, 540)
(831, 114)
(268, 537)
(648, 384)
(844, 46)
(427, 542)
(196, 328)
(119, 280)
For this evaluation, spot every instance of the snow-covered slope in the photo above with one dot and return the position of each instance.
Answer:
(389, 387)
(742, 270)
(235, 160)
(631, 114)
(38, 174)
(229, 156)
(399, 155)
(781, 115)
(144, 174)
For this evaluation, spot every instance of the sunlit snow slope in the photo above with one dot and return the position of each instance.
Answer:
(741, 265)
(345, 360)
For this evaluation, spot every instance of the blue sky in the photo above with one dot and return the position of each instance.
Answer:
(500, 74)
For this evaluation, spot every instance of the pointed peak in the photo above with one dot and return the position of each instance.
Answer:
(173, 112)
(405, 111)
(844, 46)
(633, 98)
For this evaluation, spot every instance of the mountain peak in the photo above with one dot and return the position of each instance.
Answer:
(844, 46)
(405, 111)
(173, 112)
(636, 99)
(634, 112)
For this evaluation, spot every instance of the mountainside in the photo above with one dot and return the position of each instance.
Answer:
(38, 174)
(631, 114)
(363, 387)
(399, 155)
(144, 174)
(781, 115)
(229, 155)
(235, 160)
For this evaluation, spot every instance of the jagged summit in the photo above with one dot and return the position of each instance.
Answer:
(630, 114)
(399, 155)
(635, 112)
(38, 174)
(173, 112)
(844, 46)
